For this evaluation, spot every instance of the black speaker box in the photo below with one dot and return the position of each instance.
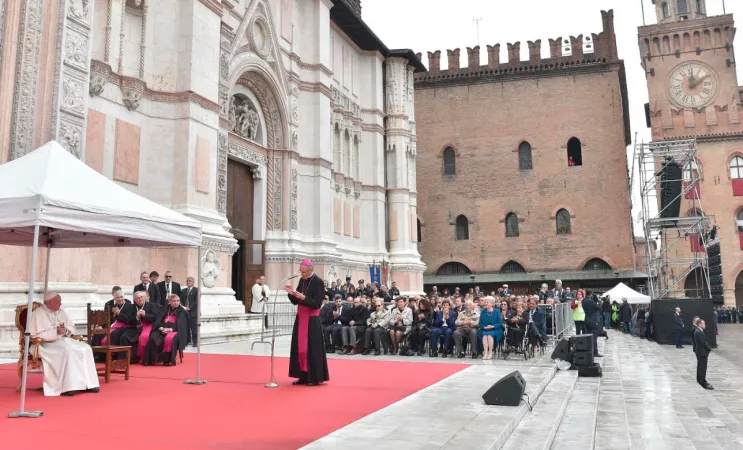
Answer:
(713, 250)
(594, 370)
(583, 342)
(507, 391)
(562, 351)
(715, 279)
(715, 260)
(583, 358)
(715, 270)
(670, 198)
(716, 290)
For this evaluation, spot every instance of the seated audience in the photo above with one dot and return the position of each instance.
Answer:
(333, 331)
(68, 364)
(467, 323)
(421, 329)
(443, 325)
(124, 314)
(138, 335)
(377, 325)
(356, 326)
(401, 321)
(169, 334)
(491, 327)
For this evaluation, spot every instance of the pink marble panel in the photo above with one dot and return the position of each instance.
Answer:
(202, 165)
(346, 219)
(337, 227)
(356, 221)
(393, 226)
(126, 155)
(95, 137)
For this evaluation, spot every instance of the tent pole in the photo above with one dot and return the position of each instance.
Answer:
(27, 335)
(198, 379)
(48, 253)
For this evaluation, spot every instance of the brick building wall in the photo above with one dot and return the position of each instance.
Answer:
(484, 114)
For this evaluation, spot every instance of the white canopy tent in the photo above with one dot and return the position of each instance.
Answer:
(633, 297)
(50, 198)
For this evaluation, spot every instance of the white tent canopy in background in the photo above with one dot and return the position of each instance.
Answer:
(623, 291)
(82, 207)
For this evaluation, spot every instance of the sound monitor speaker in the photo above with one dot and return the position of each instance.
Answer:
(670, 198)
(583, 358)
(507, 391)
(562, 351)
(583, 342)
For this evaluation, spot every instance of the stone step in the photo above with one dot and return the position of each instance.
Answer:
(577, 429)
(538, 428)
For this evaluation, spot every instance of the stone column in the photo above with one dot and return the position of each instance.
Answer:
(405, 264)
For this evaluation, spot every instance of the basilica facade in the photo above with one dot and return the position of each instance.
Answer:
(286, 127)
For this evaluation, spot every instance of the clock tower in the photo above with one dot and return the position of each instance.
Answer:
(693, 91)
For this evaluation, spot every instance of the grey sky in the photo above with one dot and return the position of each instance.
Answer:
(429, 25)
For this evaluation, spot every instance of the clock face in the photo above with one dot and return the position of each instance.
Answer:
(692, 85)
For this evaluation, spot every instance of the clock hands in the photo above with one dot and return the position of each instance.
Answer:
(694, 82)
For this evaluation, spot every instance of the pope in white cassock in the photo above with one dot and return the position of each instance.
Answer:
(69, 366)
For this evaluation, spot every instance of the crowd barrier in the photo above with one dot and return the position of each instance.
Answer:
(559, 318)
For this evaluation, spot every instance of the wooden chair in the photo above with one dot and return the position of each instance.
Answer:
(35, 365)
(99, 324)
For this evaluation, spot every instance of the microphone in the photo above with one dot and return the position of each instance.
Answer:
(292, 277)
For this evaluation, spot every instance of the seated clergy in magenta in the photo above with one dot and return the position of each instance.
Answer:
(169, 334)
(69, 366)
(133, 325)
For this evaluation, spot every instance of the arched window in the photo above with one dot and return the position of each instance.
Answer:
(682, 7)
(512, 225)
(666, 12)
(419, 230)
(453, 268)
(736, 168)
(596, 264)
(512, 267)
(463, 228)
(563, 222)
(699, 6)
(347, 154)
(739, 220)
(575, 152)
(450, 164)
(525, 156)
(338, 160)
(695, 285)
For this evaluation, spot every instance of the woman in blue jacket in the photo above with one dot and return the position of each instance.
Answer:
(443, 325)
(491, 327)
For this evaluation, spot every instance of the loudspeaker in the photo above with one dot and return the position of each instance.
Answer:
(583, 342)
(670, 198)
(647, 115)
(583, 358)
(594, 370)
(715, 260)
(507, 391)
(713, 250)
(562, 351)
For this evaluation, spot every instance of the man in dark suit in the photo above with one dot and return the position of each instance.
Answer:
(694, 327)
(679, 327)
(591, 308)
(189, 300)
(149, 287)
(702, 349)
(169, 286)
(536, 316)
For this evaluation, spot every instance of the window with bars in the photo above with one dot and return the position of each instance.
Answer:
(736, 168)
(563, 222)
(512, 225)
(463, 228)
(525, 156)
(453, 268)
(596, 264)
(512, 267)
(450, 163)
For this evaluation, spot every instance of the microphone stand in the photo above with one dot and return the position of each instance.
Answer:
(272, 380)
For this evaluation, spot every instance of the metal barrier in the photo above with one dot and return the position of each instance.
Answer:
(562, 316)
(278, 316)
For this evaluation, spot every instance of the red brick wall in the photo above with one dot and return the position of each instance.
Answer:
(485, 123)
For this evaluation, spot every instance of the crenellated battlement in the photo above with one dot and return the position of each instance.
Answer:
(575, 50)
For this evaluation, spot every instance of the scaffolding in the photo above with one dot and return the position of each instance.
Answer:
(673, 272)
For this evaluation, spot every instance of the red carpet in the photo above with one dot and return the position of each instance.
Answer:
(155, 410)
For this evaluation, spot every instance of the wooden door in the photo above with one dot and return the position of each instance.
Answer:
(255, 256)
(240, 215)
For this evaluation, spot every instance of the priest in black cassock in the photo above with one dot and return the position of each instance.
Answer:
(169, 334)
(308, 362)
